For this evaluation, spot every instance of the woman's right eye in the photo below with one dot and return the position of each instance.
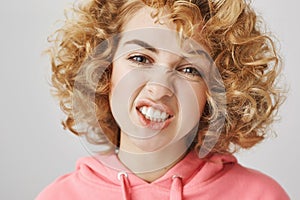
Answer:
(139, 59)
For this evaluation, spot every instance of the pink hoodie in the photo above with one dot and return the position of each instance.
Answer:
(219, 177)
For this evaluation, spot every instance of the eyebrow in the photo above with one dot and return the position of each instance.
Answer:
(153, 49)
(200, 51)
(142, 44)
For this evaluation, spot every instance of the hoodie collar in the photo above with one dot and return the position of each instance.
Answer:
(96, 169)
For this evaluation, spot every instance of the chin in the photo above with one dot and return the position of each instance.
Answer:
(151, 144)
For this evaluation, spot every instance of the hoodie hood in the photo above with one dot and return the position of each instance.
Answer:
(190, 171)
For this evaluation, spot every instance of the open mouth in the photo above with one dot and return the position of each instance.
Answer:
(153, 114)
(154, 117)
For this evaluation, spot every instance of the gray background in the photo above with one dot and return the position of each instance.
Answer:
(34, 149)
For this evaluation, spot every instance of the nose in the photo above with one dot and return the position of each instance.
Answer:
(158, 91)
(161, 83)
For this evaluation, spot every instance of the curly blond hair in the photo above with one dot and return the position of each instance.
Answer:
(243, 53)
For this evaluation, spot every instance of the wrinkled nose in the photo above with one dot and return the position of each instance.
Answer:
(158, 91)
(161, 83)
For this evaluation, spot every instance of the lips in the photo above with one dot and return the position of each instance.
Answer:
(154, 116)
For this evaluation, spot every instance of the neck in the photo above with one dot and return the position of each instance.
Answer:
(149, 166)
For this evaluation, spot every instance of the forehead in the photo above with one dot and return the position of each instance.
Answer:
(157, 38)
(143, 19)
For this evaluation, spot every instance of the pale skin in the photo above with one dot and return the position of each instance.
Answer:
(154, 95)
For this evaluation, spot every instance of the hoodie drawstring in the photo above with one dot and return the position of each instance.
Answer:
(123, 177)
(176, 188)
(175, 192)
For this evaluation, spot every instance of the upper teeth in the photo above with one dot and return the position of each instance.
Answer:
(153, 114)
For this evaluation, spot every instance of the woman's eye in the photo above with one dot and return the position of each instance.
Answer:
(191, 71)
(140, 59)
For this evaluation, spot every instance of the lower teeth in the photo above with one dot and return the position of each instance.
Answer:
(155, 120)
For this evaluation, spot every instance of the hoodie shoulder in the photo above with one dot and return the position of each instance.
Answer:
(59, 189)
(222, 177)
(73, 185)
(255, 184)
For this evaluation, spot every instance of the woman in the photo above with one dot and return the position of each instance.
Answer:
(163, 92)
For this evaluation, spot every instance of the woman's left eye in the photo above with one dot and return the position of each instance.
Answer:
(190, 71)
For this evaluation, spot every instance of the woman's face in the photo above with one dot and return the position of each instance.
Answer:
(158, 93)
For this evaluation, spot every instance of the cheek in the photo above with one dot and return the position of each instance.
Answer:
(115, 75)
(119, 70)
(200, 90)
